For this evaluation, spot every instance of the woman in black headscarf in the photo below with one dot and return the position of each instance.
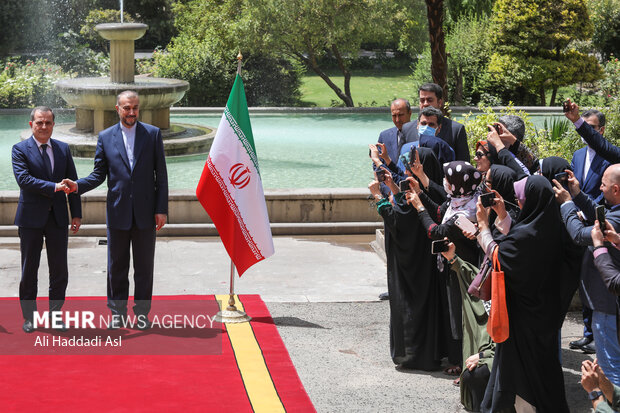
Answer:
(553, 165)
(526, 367)
(573, 253)
(501, 178)
(416, 331)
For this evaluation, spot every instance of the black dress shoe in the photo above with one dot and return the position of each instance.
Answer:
(384, 296)
(589, 348)
(116, 322)
(28, 327)
(63, 327)
(578, 344)
(143, 322)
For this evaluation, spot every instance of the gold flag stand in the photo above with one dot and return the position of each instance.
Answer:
(232, 314)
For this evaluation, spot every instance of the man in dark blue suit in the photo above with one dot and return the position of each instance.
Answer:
(589, 166)
(453, 133)
(131, 155)
(593, 290)
(39, 164)
(592, 136)
(394, 138)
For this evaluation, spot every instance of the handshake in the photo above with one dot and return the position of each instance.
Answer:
(67, 186)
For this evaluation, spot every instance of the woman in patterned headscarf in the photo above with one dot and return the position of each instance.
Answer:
(462, 183)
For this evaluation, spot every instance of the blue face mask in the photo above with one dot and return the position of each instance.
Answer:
(426, 130)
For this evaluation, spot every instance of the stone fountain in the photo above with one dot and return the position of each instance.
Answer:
(94, 99)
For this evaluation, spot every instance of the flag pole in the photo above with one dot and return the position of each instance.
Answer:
(231, 300)
(232, 314)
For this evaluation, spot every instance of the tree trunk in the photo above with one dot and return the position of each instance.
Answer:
(346, 73)
(542, 95)
(311, 62)
(458, 92)
(553, 96)
(434, 13)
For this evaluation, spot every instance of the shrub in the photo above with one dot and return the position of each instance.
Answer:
(538, 140)
(30, 84)
(268, 81)
(77, 58)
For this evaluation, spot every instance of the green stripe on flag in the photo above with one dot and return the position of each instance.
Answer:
(238, 116)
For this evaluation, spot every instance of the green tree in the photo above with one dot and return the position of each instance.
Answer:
(531, 40)
(302, 30)
(605, 16)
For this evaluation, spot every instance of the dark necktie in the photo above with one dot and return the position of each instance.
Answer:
(46, 159)
(401, 140)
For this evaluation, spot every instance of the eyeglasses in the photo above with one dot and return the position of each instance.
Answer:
(480, 154)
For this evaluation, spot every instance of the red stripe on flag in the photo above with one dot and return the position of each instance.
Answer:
(215, 203)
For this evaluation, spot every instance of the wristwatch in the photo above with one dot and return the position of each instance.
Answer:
(593, 395)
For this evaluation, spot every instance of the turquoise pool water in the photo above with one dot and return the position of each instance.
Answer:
(294, 150)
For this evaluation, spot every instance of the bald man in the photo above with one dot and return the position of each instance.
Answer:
(394, 138)
(593, 291)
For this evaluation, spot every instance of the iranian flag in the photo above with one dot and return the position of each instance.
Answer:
(231, 189)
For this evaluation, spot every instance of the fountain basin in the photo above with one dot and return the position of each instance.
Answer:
(179, 140)
(121, 31)
(95, 100)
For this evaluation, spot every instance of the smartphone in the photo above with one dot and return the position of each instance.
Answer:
(566, 105)
(487, 199)
(412, 154)
(407, 167)
(380, 175)
(600, 216)
(404, 185)
(498, 126)
(465, 225)
(439, 246)
(562, 178)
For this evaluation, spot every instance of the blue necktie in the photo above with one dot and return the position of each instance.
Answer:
(46, 159)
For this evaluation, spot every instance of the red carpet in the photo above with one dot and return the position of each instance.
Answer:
(255, 373)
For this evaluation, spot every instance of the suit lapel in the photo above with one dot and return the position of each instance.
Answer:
(59, 159)
(580, 163)
(35, 156)
(138, 143)
(595, 165)
(120, 145)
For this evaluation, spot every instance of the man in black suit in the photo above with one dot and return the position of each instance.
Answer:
(431, 94)
(131, 156)
(39, 164)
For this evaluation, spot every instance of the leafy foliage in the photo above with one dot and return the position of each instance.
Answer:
(605, 16)
(30, 84)
(268, 81)
(531, 42)
(77, 58)
(95, 17)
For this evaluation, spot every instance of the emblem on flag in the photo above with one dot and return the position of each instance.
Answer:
(239, 176)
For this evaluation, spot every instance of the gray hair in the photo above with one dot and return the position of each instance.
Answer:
(127, 94)
(42, 109)
(514, 124)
